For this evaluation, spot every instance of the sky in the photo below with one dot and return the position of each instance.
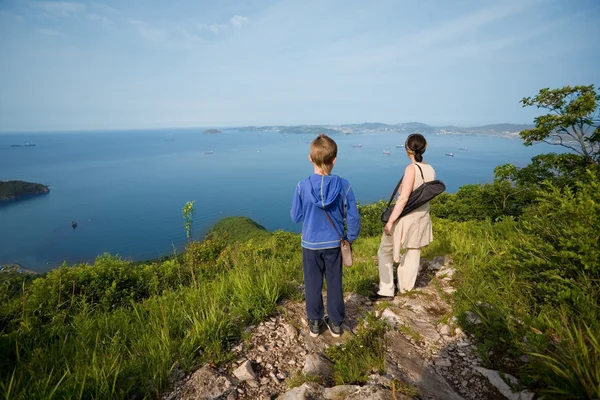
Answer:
(138, 64)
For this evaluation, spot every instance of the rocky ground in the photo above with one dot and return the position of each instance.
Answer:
(424, 350)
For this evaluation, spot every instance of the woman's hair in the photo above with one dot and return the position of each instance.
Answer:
(416, 145)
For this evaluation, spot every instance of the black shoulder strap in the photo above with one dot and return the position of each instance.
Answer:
(400, 182)
(421, 172)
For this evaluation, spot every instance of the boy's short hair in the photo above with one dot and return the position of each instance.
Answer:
(323, 150)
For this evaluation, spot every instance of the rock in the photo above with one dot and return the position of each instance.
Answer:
(472, 318)
(497, 381)
(317, 365)
(245, 372)
(444, 329)
(339, 392)
(372, 393)
(391, 317)
(442, 362)
(308, 390)
(290, 332)
(206, 383)
(524, 358)
(376, 379)
(262, 348)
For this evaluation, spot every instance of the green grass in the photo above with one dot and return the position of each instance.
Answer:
(361, 355)
(239, 230)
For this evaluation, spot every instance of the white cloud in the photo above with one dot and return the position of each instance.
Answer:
(60, 9)
(149, 32)
(215, 28)
(49, 32)
(238, 20)
(97, 18)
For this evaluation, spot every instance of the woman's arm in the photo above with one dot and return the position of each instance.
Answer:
(405, 191)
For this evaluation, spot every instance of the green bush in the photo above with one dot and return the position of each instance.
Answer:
(370, 218)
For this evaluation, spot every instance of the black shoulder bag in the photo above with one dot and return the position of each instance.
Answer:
(418, 197)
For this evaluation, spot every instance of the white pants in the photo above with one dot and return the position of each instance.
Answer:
(407, 270)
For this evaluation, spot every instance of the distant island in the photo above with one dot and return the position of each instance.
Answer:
(212, 131)
(15, 190)
(505, 130)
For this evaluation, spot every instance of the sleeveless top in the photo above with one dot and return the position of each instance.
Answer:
(414, 230)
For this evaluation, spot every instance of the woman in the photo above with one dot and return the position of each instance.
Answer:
(411, 232)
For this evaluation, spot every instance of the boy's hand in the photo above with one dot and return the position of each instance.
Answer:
(388, 229)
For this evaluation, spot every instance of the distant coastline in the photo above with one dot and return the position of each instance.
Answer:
(18, 190)
(212, 131)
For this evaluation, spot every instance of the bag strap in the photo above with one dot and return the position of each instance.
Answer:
(400, 182)
(331, 222)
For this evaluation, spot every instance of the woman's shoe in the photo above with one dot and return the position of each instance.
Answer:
(378, 297)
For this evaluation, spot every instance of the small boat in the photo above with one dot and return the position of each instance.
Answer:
(450, 154)
(399, 146)
(386, 152)
(462, 148)
(209, 152)
(357, 145)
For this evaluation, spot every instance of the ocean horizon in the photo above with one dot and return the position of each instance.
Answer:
(126, 189)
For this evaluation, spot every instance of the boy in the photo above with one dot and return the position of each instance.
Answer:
(324, 193)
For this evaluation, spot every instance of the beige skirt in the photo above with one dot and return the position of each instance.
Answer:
(412, 231)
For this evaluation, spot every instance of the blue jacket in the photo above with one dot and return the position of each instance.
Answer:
(333, 194)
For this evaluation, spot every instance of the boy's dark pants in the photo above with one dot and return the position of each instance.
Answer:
(317, 263)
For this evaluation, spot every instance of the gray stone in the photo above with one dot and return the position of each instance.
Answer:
(245, 372)
(372, 393)
(442, 362)
(206, 383)
(339, 392)
(317, 365)
(472, 318)
(308, 390)
(497, 381)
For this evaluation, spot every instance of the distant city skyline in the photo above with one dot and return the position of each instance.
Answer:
(94, 65)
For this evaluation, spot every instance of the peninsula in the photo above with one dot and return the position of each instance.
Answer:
(15, 190)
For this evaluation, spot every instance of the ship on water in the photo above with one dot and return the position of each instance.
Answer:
(450, 154)
(357, 145)
(399, 146)
(23, 145)
(209, 152)
(387, 153)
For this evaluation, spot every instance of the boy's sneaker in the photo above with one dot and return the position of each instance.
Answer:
(335, 329)
(315, 326)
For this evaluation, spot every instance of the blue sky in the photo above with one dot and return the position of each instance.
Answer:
(68, 65)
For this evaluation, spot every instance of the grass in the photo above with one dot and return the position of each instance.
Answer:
(361, 355)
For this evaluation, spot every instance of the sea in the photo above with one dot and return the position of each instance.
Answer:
(126, 189)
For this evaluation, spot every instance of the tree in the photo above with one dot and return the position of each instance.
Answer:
(573, 121)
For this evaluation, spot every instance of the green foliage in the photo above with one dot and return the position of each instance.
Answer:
(188, 218)
(492, 201)
(534, 285)
(13, 189)
(239, 229)
(124, 329)
(355, 360)
(370, 218)
(562, 170)
(573, 358)
(573, 120)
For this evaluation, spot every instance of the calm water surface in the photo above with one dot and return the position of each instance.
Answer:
(126, 189)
